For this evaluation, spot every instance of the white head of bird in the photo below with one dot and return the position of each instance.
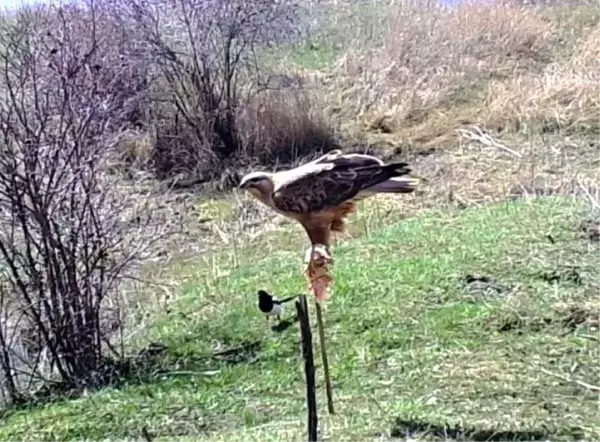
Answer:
(259, 184)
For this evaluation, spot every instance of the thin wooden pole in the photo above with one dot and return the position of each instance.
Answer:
(309, 367)
(328, 387)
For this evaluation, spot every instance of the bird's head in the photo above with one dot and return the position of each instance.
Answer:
(259, 184)
(263, 295)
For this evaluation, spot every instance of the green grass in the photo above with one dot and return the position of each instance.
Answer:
(335, 29)
(408, 340)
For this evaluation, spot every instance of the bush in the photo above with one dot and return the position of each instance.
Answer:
(204, 55)
(280, 126)
(65, 241)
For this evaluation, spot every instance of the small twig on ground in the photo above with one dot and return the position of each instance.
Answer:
(478, 135)
(244, 347)
(309, 367)
(324, 358)
(585, 385)
(593, 201)
(189, 373)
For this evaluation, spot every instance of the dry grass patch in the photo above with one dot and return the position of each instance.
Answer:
(564, 97)
(280, 126)
(435, 60)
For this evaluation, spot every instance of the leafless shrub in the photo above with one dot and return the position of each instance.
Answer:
(205, 53)
(284, 124)
(68, 235)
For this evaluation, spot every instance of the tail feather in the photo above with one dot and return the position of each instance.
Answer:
(397, 169)
(395, 185)
(284, 300)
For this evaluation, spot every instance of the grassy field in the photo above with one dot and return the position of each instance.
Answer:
(465, 322)
(465, 311)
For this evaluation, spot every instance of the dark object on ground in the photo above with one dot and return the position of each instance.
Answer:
(567, 274)
(245, 353)
(591, 229)
(484, 283)
(429, 431)
(146, 434)
(285, 324)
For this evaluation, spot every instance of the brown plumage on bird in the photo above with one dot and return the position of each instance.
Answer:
(321, 194)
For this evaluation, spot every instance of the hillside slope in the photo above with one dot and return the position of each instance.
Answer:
(481, 318)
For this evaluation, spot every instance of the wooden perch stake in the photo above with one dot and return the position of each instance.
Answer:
(319, 277)
(309, 367)
(328, 387)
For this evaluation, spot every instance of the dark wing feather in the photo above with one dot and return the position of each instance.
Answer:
(318, 191)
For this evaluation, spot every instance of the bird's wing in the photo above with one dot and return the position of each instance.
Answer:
(326, 157)
(355, 159)
(331, 182)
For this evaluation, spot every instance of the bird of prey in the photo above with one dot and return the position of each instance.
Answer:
(270, 305)
(322, 193)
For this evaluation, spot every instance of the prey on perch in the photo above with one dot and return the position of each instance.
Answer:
(320, 195)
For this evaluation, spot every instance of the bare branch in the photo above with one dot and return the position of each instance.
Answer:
(64, 246)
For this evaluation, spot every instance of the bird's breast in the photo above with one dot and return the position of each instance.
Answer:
(277, 309)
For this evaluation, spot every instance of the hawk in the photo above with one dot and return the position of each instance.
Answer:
(321, 194)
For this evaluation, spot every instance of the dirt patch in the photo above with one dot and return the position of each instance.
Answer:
(574, 316)
(430, 431)
(591, 229)
(483, 285)
(566, 274)
(568, 317)
(521, 324)
(246, 353)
